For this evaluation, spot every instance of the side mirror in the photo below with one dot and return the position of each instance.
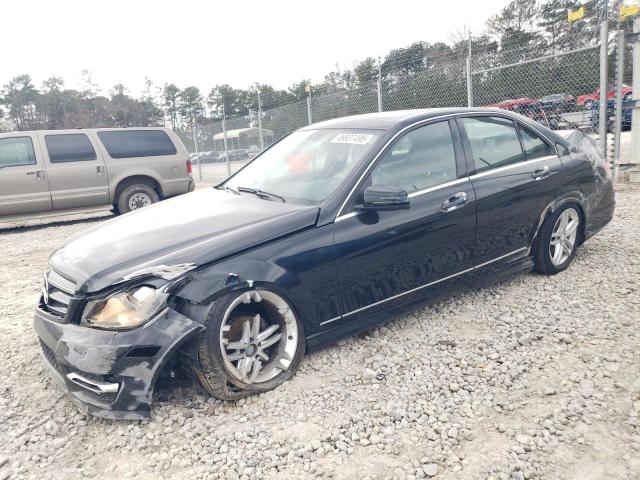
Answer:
(383, 197)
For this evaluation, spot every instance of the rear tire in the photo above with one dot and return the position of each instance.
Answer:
(558, 240)
(136, 196)
(229, 368)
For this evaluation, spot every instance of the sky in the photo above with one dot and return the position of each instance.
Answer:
(209, 42)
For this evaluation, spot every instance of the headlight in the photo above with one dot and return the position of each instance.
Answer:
(125, 309)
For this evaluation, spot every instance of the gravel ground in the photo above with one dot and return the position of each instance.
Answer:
(537, 377)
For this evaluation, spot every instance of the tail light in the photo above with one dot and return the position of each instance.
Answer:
(189, 169)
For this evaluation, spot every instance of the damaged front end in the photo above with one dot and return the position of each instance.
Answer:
(109, 370)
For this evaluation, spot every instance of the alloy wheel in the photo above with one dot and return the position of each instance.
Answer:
(257, 347)
(563, 237)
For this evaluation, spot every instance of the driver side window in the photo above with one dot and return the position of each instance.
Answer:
(423, 158)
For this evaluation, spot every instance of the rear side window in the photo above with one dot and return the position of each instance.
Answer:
(494, 142)
(562, 150)
(16, 151)
(137, 143)
(534, 146)
(73, 147)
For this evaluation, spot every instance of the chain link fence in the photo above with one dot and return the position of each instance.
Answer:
(555, 83)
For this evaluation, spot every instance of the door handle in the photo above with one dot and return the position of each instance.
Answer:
(455, 201)
(540, 173)
(100, 170)
(38, 173)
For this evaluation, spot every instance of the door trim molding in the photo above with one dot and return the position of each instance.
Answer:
(412, 195)
(475, 176)
(326, 322)
(512, 165)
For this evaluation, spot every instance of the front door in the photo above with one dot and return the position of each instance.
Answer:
(387, 257)
(516, 174)
(77, 173)
(24, 187)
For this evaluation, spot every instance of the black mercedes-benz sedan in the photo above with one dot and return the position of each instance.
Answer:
(334, 228)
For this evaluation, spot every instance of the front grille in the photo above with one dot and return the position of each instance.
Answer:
(57, 293)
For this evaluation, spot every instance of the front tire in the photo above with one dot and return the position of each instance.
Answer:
(558, 240)
(253, 343)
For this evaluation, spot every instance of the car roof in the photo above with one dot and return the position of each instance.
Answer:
(83, 130)
(396, 118)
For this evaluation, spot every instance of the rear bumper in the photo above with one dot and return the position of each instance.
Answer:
(599, 218)
(111, 374)
(177, 186)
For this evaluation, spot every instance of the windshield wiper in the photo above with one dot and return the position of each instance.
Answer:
(261, 193)
(229, 189)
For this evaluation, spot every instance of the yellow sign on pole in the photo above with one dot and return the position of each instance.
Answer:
(629, 10)
(573, 15)
(307, 88)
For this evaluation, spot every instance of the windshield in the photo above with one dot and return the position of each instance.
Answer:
(307, 166)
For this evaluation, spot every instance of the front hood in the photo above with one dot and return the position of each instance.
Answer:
(176, 235)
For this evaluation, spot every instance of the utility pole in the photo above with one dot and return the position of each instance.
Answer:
(379, 85)
(469, 80)
(604, 91)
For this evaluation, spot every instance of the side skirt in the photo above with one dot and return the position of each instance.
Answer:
(345, 328)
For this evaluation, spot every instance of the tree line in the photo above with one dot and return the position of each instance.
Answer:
(418, 75)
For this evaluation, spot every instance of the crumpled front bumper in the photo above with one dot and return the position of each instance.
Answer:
(111, 374)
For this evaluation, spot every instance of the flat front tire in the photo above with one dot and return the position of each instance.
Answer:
(253, 342)
(558, 240)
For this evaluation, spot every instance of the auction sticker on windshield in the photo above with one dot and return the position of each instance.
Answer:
(352, 138)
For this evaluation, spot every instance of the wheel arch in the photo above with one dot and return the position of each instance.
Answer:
(576, 198)
(132, 180)
(204, 286)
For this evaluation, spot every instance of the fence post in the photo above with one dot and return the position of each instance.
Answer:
(309, 103)
(260, 121)
(634, 174)
(603, 99)
(619, 107)
(195, 145)
(469, 79)
(224, 136)
(379, 85)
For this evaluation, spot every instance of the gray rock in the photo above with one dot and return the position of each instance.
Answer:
(586, 388)
(525, 339)
(430, 469)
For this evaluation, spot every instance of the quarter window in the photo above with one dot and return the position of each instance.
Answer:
(423, 158)
(73, 147)
(137, 143)
(534, 146)
(494, 142)
(16, 151)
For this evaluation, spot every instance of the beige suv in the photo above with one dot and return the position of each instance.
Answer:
(64, 171)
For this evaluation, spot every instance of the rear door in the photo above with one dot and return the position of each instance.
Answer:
(77, 173)
(23, 179)
(516, 174)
